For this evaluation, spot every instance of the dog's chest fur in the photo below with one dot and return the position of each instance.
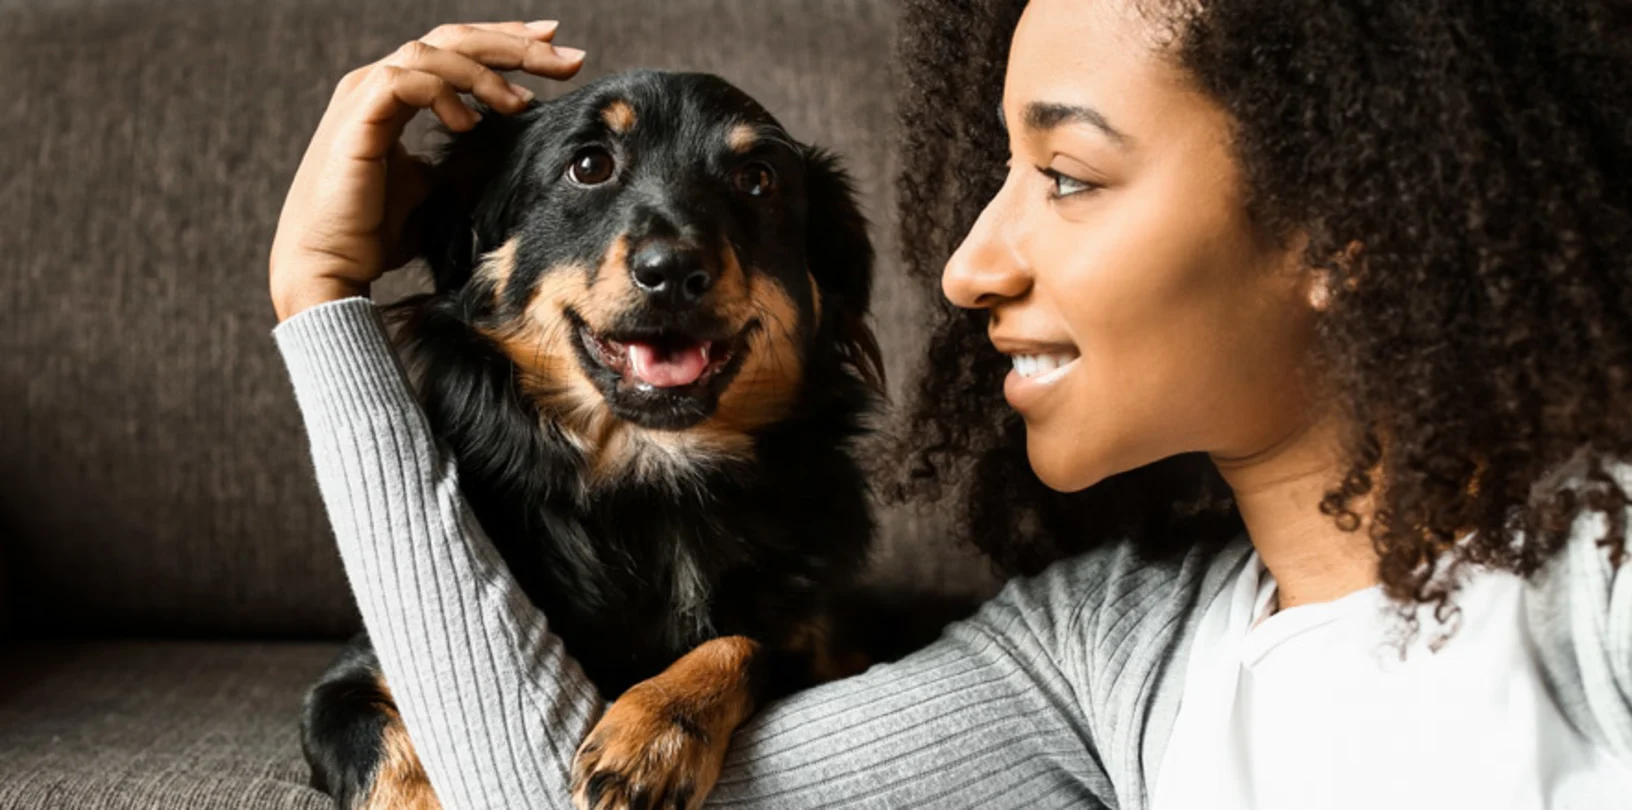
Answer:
(633, 579)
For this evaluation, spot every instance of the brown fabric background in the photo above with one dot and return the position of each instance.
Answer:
(5, 582)
(153, 468)
(155, 726)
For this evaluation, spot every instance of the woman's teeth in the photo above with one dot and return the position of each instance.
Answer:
(1033, 365)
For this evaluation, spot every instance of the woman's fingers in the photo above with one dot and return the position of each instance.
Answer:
(421, 89)
(464, 73)
(542, 30)
(506, 47)
(468, 56)
(429, 73)
(388, 99)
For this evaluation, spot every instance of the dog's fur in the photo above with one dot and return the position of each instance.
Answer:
(687, 545)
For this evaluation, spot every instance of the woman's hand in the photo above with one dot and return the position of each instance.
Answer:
(342, 221)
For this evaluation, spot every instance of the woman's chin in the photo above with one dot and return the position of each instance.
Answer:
(1060, 464)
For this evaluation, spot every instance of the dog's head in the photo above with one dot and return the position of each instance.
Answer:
(658, 258)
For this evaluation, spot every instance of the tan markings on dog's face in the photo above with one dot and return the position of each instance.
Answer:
(619, 116)
(540, 343)
(612, 291)
(400, 782)
(742, 138)
(497, 265)
(768, 383)
(730, 296)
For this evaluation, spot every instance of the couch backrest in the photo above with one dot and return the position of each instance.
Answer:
(153, 470)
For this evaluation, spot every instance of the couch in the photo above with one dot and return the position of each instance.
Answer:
(168, 583)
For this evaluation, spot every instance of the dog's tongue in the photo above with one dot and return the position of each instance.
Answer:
(661, 367)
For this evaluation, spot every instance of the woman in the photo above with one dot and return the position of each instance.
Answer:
(1317, 319)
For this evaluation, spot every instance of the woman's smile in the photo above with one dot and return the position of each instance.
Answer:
(1039, 366)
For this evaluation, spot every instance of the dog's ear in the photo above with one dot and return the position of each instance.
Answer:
(841, 260)
(472, 177)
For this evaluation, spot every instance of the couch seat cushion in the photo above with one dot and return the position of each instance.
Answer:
(97, 726)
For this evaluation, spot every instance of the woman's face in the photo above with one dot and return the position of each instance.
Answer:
(1120, 250)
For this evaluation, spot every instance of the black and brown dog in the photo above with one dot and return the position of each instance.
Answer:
(648, 353)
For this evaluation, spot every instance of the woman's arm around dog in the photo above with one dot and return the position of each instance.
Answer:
(1034, 702)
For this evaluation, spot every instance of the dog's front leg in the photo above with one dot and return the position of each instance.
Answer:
(660, 744)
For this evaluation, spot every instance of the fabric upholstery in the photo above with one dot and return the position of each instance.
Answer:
(155, 726)
(5, 586)
(152, 458)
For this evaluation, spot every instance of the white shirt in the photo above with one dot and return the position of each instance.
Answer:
(1313, 707)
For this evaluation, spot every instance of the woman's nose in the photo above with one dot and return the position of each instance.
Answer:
(987, 269)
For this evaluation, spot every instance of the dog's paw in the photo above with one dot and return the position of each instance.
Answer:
(660, 745)
(648, 752)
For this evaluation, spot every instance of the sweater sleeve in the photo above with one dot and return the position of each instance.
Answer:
(493, 704)
(984, 717)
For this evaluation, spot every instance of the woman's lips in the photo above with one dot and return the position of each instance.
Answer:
(1036, 373)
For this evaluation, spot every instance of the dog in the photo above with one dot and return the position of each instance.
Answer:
(648, 352)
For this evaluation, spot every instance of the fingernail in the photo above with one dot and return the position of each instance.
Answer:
(543, 25)
(570, 54)
(521, 92)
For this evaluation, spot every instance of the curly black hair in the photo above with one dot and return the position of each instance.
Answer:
(1460, 170)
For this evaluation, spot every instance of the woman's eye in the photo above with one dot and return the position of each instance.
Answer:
(1066, 185)
(755, 180)
(592, 166)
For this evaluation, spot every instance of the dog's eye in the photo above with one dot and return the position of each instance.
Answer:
(755, 179)
(592, 166)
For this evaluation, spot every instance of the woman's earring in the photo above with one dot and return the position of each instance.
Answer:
(1347, 264)
(1320, 290)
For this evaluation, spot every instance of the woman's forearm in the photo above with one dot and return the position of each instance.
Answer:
(493, 705)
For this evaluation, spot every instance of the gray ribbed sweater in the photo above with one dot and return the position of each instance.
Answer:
(1060, 692)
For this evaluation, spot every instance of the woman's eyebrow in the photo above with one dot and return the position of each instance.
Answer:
(1046, 115)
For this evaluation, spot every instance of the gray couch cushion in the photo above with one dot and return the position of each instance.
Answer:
(155, 725)
(149, 447)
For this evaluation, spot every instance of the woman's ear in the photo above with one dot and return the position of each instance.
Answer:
(840, 255)
(469, 182)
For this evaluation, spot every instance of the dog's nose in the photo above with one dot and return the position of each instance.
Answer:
(671, 275)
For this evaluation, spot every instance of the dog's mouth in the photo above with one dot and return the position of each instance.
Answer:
(660, 361)
(664, 378)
